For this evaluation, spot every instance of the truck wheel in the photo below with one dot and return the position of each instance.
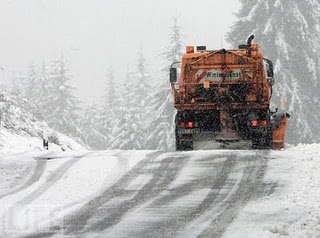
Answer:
(179, 146)
(183, 145)
(261, 141)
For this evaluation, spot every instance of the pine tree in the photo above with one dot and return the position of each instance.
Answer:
(90, 127)
(34, 86)
(176, 45)
(42, 89)
(288, 33)
(161, 120)
(130, 130)
(142, 79)
(63, 105)
(107, 113)
(122, 136)
(99, 120)
(109, 96)
(139, 92)
(134, 112)
(18, 84)
(31, 82)
(162, 112)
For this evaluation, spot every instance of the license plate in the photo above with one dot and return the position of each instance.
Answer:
(188, 131)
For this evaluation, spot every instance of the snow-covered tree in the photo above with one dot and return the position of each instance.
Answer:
(107, 114)
(139, 92)
(176, 45)
(142, 81)
(31, 82)
(43, 89)
(161, 110)
(18, 83)
(50, 91)
(62, 104)
(34, 86)
(110, 92)
(123, 134)
(288, 33)
(99, 120)
(90, 126)
(28, 85)
(130, 130)
(161, 120)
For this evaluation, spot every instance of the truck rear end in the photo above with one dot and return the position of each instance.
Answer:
(223, 97)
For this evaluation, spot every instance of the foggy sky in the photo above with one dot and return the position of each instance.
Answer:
(97, 34)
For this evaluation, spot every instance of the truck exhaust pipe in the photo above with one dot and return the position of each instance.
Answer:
(249, 40)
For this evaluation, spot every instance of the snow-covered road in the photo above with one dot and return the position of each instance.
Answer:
(157, 194)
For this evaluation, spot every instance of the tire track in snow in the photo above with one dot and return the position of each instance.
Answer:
(249, 186)
(76, 222)
(215, 180)
(38, 171)
(161, 178)
(173, 217)
(102, 214)
(52, 179)
(234, 182)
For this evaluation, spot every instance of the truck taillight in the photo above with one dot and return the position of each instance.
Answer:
(187, 124)
(190, 124)
(254, 123)
(263, 123)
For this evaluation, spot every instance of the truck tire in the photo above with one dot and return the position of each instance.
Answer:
(183, 144)
(262, 140)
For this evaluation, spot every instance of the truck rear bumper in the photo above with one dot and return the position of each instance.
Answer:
(208, 141)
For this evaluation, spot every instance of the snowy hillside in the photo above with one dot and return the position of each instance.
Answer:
(22, 128)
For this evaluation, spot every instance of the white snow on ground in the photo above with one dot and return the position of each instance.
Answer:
(293, 210)
(12, 143)
(69, 179)
(13, 172)
(72, 178)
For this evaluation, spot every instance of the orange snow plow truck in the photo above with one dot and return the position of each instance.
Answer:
(223, 100)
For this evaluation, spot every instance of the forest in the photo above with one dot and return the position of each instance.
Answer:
(138, 115)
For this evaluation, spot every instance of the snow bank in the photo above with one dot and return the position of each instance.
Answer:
(22, 128)
(12, 143)
(293, 210)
